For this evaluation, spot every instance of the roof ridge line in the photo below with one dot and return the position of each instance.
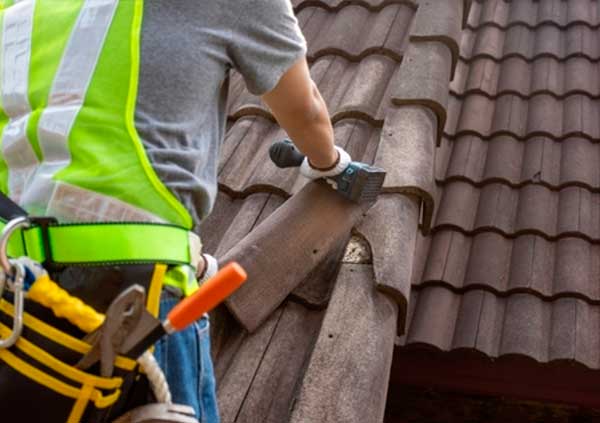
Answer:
(503, 181)
(477, 91)
(470, 287)
(354, 58)
(528, 136)
(546, 22)
(514, 235)
(345, 3)
(477, 56)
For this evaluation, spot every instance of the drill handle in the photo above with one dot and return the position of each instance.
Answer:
(285, 154)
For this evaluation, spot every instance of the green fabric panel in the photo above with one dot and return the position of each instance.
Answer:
(113, 243)
(3, 176)
(47, 47)
(32, 133)
(106, 156)
(3, 122)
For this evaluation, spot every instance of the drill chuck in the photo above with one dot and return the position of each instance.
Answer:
(359, 182)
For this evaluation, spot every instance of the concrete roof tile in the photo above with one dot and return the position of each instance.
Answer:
(423, 80)
(520, 324)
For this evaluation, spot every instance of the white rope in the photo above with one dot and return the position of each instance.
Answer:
(156, 377)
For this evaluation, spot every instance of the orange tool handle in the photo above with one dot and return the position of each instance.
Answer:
(207, 297)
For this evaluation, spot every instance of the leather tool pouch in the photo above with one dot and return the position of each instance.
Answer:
(38, 380)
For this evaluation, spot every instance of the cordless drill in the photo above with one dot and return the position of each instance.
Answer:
(359, 182)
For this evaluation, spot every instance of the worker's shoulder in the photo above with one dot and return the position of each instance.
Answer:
(266, 9)
(268, 6)
(234, 13)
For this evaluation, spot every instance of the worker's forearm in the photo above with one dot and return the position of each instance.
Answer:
(312, 133)
(299, 108)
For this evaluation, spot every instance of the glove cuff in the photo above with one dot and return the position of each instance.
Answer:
(211, 267)
(343, 162)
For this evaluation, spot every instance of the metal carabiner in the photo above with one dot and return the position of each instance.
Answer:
(11, 226)
(19, 296)
(16, 271)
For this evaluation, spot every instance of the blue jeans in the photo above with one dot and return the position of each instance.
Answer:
(186, 361)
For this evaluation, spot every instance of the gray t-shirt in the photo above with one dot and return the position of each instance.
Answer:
(187, 50)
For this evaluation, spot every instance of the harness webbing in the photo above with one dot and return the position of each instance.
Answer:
(99, 243)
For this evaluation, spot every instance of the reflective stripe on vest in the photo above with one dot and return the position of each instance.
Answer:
(69, 86)
(67, 95)
(16, 54)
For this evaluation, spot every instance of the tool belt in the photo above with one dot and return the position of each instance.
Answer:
(93, 262)
(40, 366)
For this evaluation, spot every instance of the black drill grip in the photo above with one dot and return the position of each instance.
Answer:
(285, 154)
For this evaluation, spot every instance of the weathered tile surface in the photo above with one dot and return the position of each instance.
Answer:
(520, 324)
(513, 263)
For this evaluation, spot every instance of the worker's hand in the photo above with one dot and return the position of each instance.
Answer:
(210, 268)
(312, 172)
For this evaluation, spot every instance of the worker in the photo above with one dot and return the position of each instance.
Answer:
(116, 110)
(187, 51)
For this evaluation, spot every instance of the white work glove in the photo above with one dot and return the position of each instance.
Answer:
(211, 267)
(340, 165)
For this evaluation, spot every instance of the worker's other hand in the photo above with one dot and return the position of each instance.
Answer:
(211, 267)
(342, 162)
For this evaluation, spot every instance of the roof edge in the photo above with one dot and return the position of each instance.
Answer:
(512, 376)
